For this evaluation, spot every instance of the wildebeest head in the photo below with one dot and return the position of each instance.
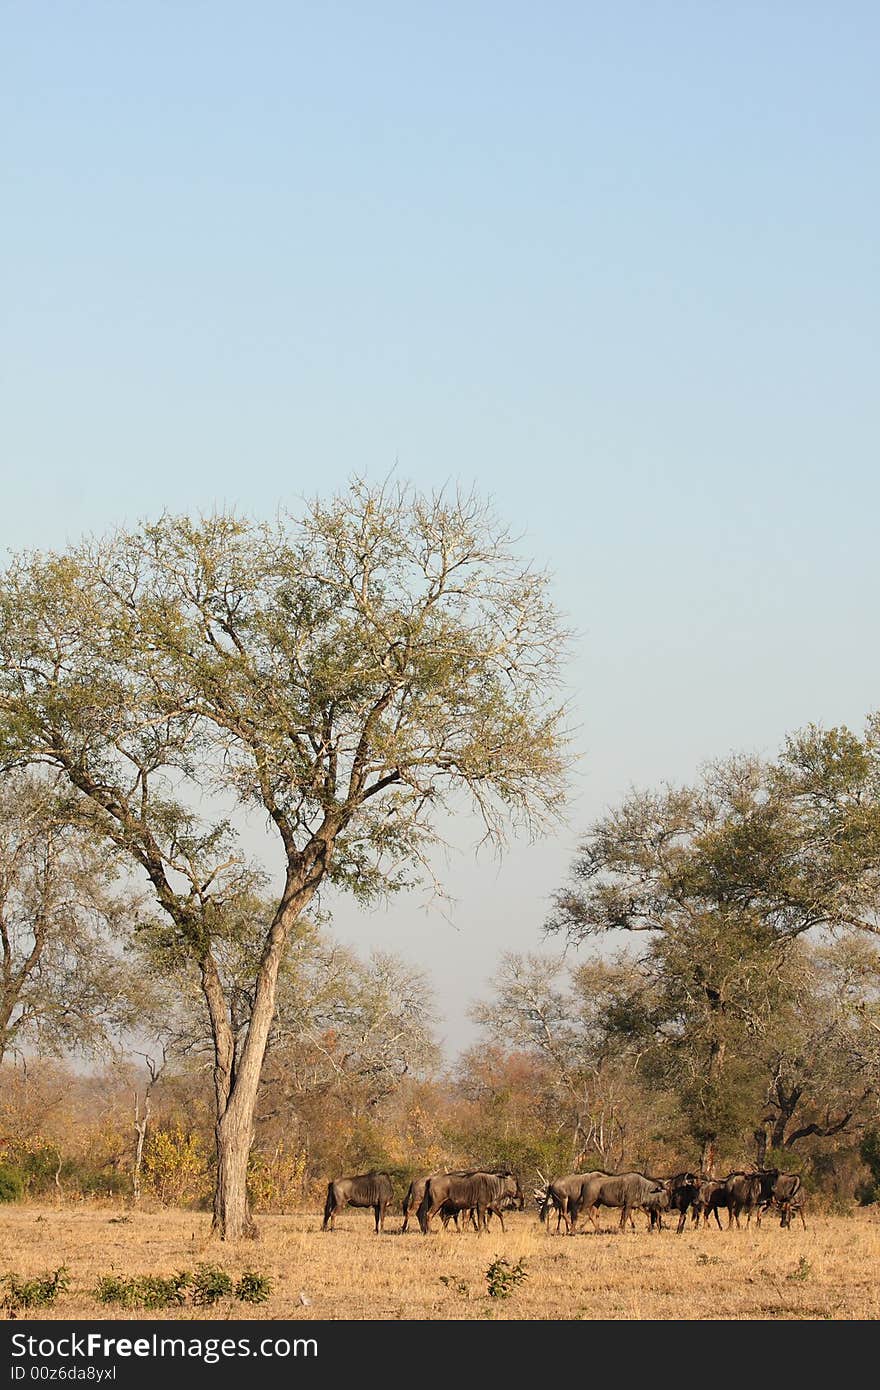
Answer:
(512, 1188)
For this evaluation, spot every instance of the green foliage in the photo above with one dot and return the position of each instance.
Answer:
(502, 1278)
(39, 1164)
(144, 1291)
(253, 1287)
(12, 1183)
(209, 1284)
(206, 1286)
(869, 1152)
(35, 1293)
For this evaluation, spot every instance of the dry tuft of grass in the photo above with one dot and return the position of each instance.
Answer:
(827, 1271)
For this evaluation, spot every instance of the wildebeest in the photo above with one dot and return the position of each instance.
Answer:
(414, 1195)
(416, 1192)
(755, 1192)
(627, 1191)
(365, 1190)
(654, 1208)
(683, 1189)
(784, 1189)
(711, 1196)
(793, 1206)
(748, 1192)
(481, 1193)
(562, 1192)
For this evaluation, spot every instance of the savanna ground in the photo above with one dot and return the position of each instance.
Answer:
(828, 1271)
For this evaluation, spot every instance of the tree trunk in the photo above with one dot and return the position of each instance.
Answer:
(141, 1130)
(760, 1146)
(714, 1069)
(237, 1078)
(232, 1211)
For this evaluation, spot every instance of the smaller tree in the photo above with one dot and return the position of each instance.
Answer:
(725, 877)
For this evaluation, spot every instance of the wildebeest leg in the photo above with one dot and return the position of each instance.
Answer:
(718, 1219)
(623, 1215)
(431, 1212)
(682, 1219)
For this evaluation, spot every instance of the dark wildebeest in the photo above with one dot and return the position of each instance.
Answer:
(416, 1192)
(512, 1198)
(794, 1206)
(755, 1192)
(746, 1192)
(366, 1190)
(411, 1201)
(712, 1195)
(784, 1189)
(683, 1189)
(562, 1193)
(626, 1190)
(480, 1193)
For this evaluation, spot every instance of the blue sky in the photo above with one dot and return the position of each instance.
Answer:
(616, 264)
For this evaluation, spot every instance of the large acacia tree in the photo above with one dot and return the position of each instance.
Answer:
(349, 671)
(724, 877)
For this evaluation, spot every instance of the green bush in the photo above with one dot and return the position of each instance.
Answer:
(39, 1166)
(146, 1291)
(35, 1293)
(12, 1183)
(209, 1284)
(253, 1287)
(502, 1277)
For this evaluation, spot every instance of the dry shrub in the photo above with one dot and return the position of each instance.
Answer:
(175, 1170)
(276, 1181)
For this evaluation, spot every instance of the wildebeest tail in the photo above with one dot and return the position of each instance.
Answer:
(328, 1205)
(423, 1208)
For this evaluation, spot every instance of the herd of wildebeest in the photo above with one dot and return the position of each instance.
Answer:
(478, 1195)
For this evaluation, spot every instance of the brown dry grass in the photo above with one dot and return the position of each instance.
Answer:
(829, 1271)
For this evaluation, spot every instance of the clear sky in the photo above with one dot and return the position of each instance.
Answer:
(615, 263)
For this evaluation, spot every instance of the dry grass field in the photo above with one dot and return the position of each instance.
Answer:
(832, 1270)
